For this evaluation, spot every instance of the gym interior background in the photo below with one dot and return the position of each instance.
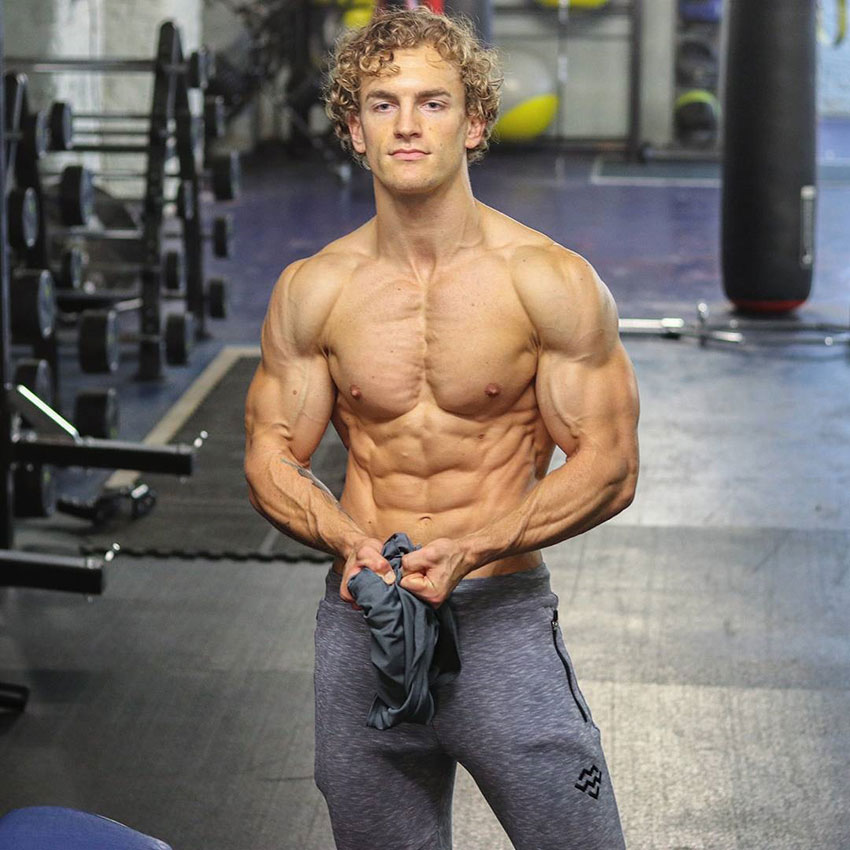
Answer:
(170, 687)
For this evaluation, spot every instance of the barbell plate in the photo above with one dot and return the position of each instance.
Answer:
(98, 345)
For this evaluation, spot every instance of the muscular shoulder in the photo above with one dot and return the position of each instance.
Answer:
(304, 296)
(570, 307)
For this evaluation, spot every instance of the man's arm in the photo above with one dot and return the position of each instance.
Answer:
(288, 408)
(587, 397)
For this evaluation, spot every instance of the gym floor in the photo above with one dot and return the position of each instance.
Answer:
(708, 622)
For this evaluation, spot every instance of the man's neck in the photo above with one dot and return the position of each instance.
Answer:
(422, 232)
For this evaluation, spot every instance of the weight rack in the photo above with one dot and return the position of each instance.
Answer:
(51, 440)
(173, 76)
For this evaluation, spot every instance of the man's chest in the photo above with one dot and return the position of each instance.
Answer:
(468, 346)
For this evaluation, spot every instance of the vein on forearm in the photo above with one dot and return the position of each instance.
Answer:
(306, 473)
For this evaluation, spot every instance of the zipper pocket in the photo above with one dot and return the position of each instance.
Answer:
(569, 672)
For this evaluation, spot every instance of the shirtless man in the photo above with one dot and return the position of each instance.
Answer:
(452, 348)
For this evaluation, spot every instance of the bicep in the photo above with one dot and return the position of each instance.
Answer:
(588, 402)
(291, 397)
(289, 406)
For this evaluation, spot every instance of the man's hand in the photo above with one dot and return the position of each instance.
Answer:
(434, 571)
(365, 554)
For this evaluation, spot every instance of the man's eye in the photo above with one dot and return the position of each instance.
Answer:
(434, 104)
(382, 107)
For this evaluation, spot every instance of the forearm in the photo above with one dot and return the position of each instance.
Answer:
(300, 505)
(572, 499)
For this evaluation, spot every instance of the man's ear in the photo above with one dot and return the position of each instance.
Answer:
(356, 130)
(474, 131)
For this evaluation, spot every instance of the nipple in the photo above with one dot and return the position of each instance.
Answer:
(355, 391)
(492, 390)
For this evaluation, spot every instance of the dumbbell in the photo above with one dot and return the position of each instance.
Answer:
(23, 217)
(34, 136)
(172, 267)
(35, 485)
(221, 235)
(224, 173)
(37, 377)
(32, 304)
(99, 341)
(198, 69)
(96, 413)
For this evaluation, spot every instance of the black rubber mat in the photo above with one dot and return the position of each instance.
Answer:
(208, 514)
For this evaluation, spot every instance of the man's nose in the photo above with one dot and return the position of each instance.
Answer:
(407, 122)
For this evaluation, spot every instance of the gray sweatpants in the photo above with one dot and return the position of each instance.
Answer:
(514, 718)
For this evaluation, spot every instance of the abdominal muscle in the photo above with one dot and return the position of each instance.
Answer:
(467, 478)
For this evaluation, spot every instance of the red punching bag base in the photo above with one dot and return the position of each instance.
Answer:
(748, 306)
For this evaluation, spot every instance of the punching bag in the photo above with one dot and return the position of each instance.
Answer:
(768, 204)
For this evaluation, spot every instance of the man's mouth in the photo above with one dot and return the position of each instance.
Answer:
(408, 154)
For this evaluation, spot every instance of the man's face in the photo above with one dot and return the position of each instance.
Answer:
(413, 125)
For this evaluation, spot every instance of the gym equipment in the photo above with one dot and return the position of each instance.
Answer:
(196, 72)
(529, 99)
(40, 827)
(98, 344)
(32, 301)
(96, 413)
(740, 331)
(697, 117)
(76, 196)
(35, 437)
(696, 63)
(707, 11)
(769, 191)
(23, 217)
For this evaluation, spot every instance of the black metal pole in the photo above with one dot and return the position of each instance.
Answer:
(636, 82)
(7, 531)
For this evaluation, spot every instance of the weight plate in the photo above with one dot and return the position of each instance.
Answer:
(185, 200)
(71, 274)
(96, 413)
(179, 338)
(22, 207)
(226, 176)
(98, 345)
(76, 195)
(35, 490)
(217, 298)
(37, 377)
(174, 271)
(214, 116)
(36, 135)
(223, 236)
(32, 297)
(201, 68)
(61, 127)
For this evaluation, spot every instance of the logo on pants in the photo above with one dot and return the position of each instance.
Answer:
(590, 781)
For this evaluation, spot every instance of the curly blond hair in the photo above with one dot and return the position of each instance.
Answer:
(369, 52)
